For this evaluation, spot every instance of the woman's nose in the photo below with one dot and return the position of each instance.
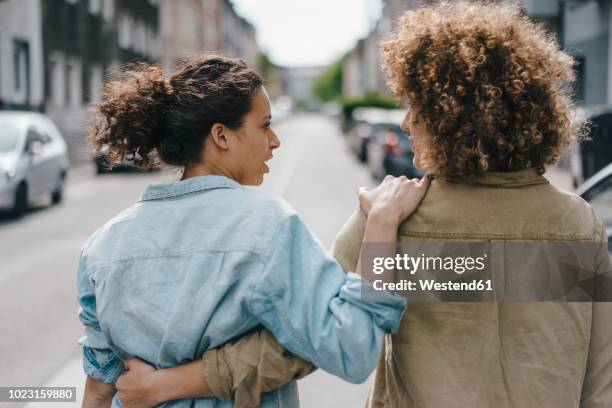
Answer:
(275, 142)
(405, 125)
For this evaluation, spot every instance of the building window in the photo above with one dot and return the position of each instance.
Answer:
(124, 32)
(73, 94)
(108, 9)
(57, 80)
(95, 6)
(95, 83)
(21, 68)
(580, 77)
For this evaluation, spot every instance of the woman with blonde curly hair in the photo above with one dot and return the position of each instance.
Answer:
(489, 107)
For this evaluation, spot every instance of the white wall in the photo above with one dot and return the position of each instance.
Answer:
(20, 20)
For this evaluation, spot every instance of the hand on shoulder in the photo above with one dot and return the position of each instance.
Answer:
(395, 199)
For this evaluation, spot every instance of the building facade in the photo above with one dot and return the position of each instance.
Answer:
(54, 54)
(82, 40)
(190, 27)
(21, 55)
(583, 29)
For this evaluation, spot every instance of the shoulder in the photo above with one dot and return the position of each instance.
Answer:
(269, 204)
(582, 213)
(96, 246)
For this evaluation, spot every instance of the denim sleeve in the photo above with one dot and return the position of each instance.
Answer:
(317, 311)
(99, 361)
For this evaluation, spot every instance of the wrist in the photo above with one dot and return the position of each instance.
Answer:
(159, 389)
(383, 217)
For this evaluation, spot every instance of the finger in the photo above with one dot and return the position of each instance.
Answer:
(130, 363)
(402, 178)
(362, 190)
(424, 182)
(388, 177)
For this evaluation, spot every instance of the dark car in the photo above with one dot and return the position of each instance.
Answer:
(390, 150)
(367, 122)
(597, 190)
(102, 165)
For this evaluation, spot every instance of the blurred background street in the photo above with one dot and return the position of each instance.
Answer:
(337, 121)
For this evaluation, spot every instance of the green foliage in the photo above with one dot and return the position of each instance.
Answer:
(301, 104)
(264, 66)
(328, 86)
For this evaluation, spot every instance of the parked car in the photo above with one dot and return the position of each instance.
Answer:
(366, 122)
(102, 165)
(390, 150)
(594, 154)
(597, 190)
(33, 160)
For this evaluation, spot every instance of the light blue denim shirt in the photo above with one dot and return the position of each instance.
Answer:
(198, 262)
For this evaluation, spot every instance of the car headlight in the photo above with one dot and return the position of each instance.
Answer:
(7, 174)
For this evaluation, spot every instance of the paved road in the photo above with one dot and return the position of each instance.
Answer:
(313, 170)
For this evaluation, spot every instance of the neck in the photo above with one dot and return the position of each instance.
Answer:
(208, 169)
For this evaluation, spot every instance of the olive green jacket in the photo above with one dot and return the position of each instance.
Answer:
(478, 354)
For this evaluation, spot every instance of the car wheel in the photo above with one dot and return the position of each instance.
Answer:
(21, 201)
(101, 164)
(100, 169)
(58, 194)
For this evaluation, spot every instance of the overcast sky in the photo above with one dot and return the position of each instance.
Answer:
(308, 32)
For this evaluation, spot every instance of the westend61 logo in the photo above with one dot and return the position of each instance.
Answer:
(412, 264)
(439, 265)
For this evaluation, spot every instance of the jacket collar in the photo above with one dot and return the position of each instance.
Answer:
(189, 186)
(511, 179)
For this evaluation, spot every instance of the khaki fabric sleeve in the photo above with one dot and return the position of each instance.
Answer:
(347, 244)
(597, 385)
(252, 365)
(257, 363)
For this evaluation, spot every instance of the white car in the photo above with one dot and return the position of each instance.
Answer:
(597, 190)
(33, 160)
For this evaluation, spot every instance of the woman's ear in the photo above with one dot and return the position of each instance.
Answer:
(219, 136)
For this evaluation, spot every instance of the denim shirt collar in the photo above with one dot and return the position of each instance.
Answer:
(183, 187)
(521, 178)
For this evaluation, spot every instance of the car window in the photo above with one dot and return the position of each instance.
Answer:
(9, 138)
(600, 198)
(33, 135)
(44, 136)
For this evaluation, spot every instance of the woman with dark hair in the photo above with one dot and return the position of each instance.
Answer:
(200, 261)
(489, 107)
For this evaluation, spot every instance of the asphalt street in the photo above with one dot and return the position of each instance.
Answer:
(313, 170)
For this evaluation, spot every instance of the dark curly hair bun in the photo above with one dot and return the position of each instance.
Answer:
(146, 118)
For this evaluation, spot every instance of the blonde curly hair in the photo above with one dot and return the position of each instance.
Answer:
(492, 86)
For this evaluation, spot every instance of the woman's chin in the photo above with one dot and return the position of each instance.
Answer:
(255, 181)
